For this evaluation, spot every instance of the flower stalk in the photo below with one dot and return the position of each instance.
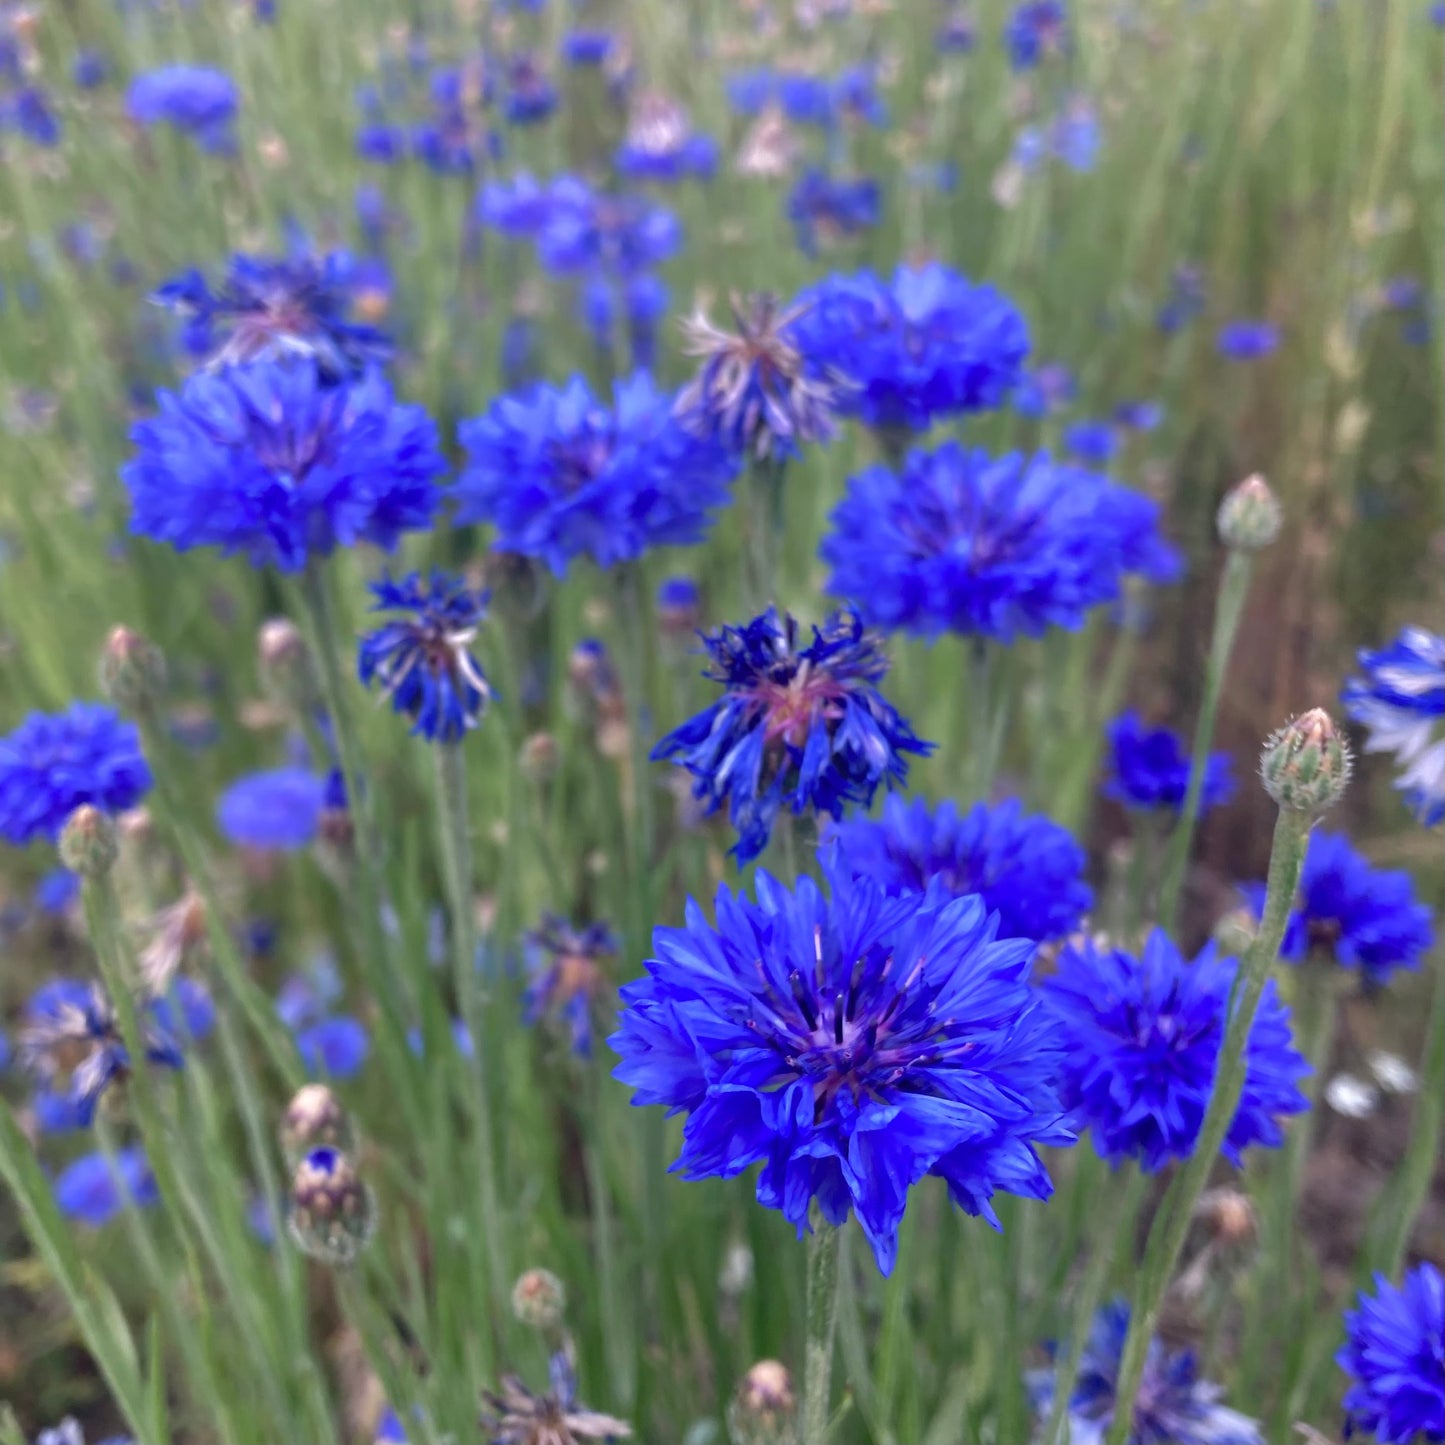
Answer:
(822, 1325)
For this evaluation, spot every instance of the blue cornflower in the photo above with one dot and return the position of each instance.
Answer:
(333, 1048)
(529, 95)
(54, 762)
(661, 144)
(750, 91)
(1247, 340)
(1359, 915)
(587, 47)
(193, 98)
(561, 475)
(798, 726)
(992, 546)
(277, 809)
(1185, 301)
(850, 1045)
(1150, 768)
(928, 343)
(1400, 701)
(306, 997)
(1091, 441)
(423, 661)
(585, 229)
(1173, 1404)
(89, 69)
(71, 1030)
(94, 1190)
(4, 1051)
(32, 114)
(1395, 1354)
(1036, 29)
(1139, 415)
(1028, 870)
(1143, 1037)
(272, 461)
(832, 208)
(756, 392)
(519, 207)
(269, 308)
(566, 975)
(679, 606)
(855, 94)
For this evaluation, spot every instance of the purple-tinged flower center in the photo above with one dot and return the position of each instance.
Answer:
(581, 460)
(792, 707)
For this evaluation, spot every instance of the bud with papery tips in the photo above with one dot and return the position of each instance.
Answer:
(333, 1213)
(539, 1300)
(1249, 517)
(761, 1412)
(315, 1119)
(132, 671)
(1306, 764)
(88, 844)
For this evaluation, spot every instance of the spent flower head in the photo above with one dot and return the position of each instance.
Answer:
(516, 1415)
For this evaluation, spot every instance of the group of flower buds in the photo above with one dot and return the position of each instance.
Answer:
(333, 1211)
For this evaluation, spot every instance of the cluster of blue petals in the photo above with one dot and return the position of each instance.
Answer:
(565, 975)
(1027, 869)
(196, 99)
(997, 547)
(829, 208)
(560, 475)
(929, 343)
(55, 762)
(798, 726)
(850, 1045)
(271, 461)
(1394, 1353)
(1143, 1037)
(1149, 768)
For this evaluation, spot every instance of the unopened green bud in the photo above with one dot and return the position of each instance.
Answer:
(539, 1299)
(132, 671)
(1249, 517)
(88, 844)
(314, 1118)
(287, 674)
(333, 1214)
(761, 1412)
(1306, 764)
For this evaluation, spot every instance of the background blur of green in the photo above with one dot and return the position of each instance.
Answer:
(1292, 150)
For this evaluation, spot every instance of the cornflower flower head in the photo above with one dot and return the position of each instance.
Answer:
(926, 344)
(1045, 390)
(661, 144)
(272, 461)
(334, 1048)
(1036, 29)
(567, 975)
(1173, 1403)
(177, 933)
(561, 475)
(756, 391)
(277, 809)
(832, 208)
(1359, 915)
(1091, 441)
(423, 660)
(196, 99)
(1028, 870)
(94, 1189)
(1149, 768)
(1247, 340)
(994, 547)
(1394, 1353)
(1143, 1037)
(850, 1045)
(1399, 699)
(584, 229)
(516, 1415)
(272, 308)
(54, 763)
(71, 1031)
(799, 725)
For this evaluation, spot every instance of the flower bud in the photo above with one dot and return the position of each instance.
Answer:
(1249, 517)
(88, 844)
(314, 1119)
(539, 1299)
(132, 671)
(540, 756)
(1306, 764)
(761, 1412)
(287, 674)
(1234, 933)
(1228, 1215)
(679, 607)
(333, 1214)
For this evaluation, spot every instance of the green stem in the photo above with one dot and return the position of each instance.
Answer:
(763, 530)
(1086, 1304)
(451, 783)
(1233, 588)
(822, 1306)
(1291, 835)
